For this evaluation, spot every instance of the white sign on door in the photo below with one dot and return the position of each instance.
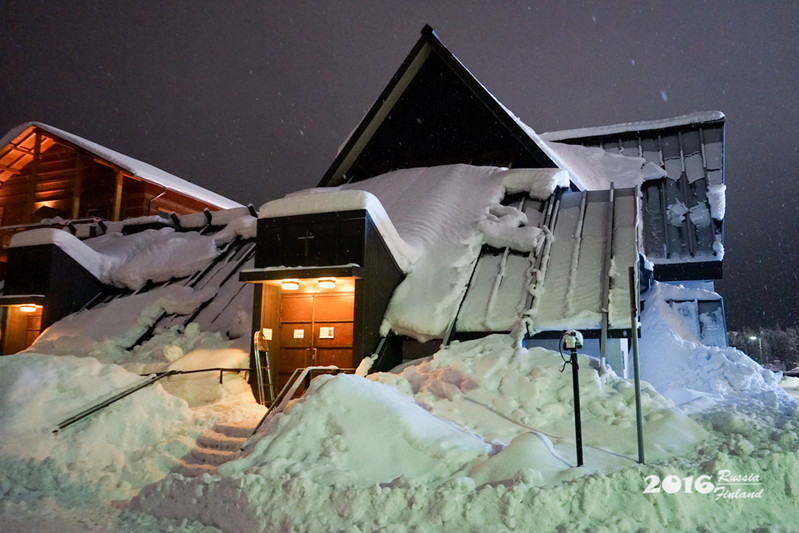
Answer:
(325, 332)
(299, 333)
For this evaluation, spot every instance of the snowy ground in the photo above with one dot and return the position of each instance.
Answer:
(479, 437)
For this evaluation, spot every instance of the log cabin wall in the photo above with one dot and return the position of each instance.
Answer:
(59, 179)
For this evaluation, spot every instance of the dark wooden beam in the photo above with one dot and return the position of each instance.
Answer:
(33, 179)
(118, 195)
(77, 184)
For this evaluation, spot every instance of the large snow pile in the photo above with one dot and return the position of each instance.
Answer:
(478, 437)
(115, 452)
(682, 368)
(478, 417)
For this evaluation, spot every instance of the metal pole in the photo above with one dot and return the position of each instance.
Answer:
(639, 416)
(259, 377)
(578, 429)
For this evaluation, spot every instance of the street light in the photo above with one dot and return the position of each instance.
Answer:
(760, 345)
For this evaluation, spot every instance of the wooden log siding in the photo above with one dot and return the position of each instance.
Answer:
(73, 183)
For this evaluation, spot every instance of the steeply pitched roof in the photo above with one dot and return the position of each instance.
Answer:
(15, 154)
(435, 112)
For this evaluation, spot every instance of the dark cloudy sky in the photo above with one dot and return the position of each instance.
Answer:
(252, 99)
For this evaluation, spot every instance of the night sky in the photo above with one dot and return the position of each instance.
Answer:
(253, 99)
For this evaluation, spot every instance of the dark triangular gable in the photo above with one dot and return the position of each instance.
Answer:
(433, 112)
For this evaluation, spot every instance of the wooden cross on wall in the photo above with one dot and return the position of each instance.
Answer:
(306, 239)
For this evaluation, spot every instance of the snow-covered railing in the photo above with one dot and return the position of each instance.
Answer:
(127, 392)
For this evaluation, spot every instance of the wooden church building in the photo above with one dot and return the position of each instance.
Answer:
(47, 173)
(52, 178)
(325, 277)
(329, 268)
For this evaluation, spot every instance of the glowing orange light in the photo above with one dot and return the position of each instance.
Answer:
(290, 284)
(28, 308)
(327, 283)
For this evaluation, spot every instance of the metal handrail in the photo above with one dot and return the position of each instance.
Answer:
(287, 392)
(149, 381)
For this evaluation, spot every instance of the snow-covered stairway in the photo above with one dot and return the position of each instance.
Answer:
(216, 446)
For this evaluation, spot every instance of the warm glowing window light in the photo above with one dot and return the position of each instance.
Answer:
(290, 284)
(327, 283)
(28, 308)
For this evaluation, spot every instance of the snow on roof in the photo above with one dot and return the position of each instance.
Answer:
(700, 117)
(154, 255)
(448, 213)
(329, 200)
(435, 220)
(595, 168)
(135, 167)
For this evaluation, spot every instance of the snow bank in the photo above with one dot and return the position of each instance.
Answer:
(402, 439)
(675, 362)
(117, 450)
(477, 418)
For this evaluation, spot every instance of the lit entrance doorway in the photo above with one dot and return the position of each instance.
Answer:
(315, 330)
(20, 325)
(305, 322)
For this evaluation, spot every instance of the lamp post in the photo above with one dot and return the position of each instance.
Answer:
(760, 345)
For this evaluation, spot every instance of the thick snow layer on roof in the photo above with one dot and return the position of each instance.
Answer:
(108, 330)
(448, 213)
(151, 255)
(135, 167)
(436, 220)
(329, 200)
(700, 117)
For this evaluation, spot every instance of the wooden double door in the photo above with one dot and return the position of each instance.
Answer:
(316, 329)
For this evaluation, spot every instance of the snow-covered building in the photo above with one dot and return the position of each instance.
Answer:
(47, 173)
(156, 273)
(444, 217)
(52, 179)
